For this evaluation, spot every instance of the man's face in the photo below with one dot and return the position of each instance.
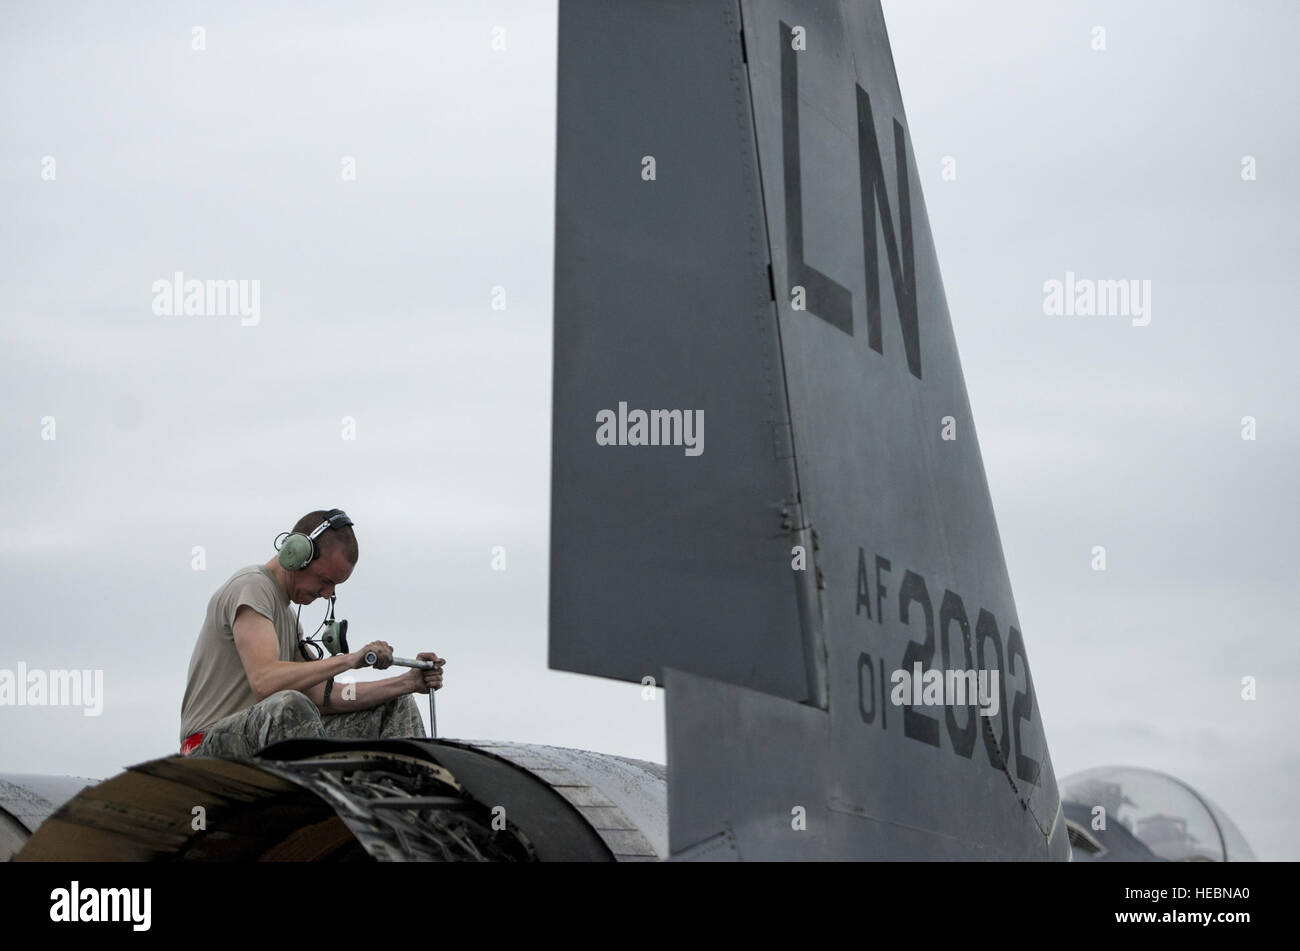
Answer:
(320, 578)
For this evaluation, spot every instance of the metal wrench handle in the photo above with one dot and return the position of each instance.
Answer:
(371, 657)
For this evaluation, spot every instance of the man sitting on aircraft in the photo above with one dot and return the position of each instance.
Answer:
(255, 680)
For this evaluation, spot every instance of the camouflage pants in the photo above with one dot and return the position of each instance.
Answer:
(291, 715)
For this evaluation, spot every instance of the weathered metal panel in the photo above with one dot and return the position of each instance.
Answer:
(32, 798)
(624, 800)
(909, 546)
(717, 848)
(748, 763)
(663, 302)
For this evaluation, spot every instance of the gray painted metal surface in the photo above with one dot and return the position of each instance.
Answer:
(909, 546)
(625, 800)
(32, 798)
(660, 560)
(717, 848)
(662, 301)
(740, 763)
(26, 801)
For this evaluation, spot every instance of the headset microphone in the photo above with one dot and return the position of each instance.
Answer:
(335, 636)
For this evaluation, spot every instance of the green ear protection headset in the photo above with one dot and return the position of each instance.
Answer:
(297, 551)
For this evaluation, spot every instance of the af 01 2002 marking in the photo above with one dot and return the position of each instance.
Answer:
(921, 726)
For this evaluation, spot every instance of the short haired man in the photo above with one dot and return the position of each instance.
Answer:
(252, 680)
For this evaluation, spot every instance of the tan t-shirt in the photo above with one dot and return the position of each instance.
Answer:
(217, 685)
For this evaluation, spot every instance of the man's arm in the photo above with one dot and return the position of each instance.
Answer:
(259, 650)
(359, 696)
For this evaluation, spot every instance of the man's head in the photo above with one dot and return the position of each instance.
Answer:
(338, 556)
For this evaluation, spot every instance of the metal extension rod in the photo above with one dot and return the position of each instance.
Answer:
(371, 657)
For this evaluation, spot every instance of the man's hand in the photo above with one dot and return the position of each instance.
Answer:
(420, 681)
(383, 655)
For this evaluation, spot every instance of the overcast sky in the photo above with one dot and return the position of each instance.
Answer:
(173, 432)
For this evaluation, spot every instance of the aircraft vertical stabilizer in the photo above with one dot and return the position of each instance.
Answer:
(742, 243)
